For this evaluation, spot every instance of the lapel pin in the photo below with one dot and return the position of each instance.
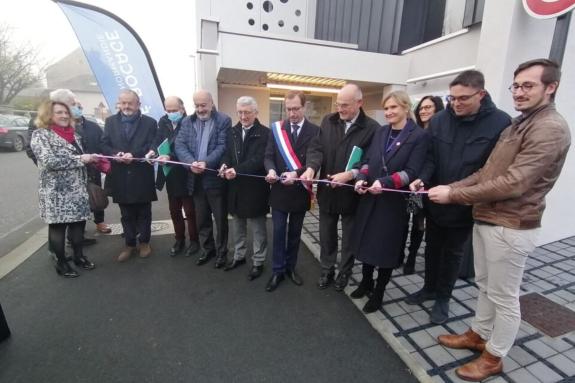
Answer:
(397, 144)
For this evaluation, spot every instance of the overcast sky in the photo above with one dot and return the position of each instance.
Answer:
(43, 24)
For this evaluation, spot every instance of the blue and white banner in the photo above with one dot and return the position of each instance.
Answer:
(118, 57)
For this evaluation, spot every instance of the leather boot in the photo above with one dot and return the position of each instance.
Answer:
(126, 253)
(469, 340)
(366, 285)
(145, 250)
(481, 368)
(376, 299)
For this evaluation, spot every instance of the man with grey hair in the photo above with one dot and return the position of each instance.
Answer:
(130, 134)
(202, 143)
(340, 133)
(247, 196)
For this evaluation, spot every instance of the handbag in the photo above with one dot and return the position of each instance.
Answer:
(97, 197)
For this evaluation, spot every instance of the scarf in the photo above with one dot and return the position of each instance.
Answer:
(67, 133)
(129, 124)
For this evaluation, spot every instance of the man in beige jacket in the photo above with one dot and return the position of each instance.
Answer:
(508, 198)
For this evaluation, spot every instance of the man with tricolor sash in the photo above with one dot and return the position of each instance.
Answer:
(293, 157)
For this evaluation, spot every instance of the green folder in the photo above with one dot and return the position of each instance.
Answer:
(354, 158)
(164, 149)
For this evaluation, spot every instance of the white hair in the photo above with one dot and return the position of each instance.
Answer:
(65, 96)
(247, 101)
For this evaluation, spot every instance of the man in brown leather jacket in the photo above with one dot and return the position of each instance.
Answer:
(508, 198)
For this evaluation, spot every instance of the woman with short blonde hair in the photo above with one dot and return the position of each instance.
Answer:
(63, 178)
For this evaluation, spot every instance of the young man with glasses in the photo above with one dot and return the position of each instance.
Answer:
(508, 197)
(462, 136)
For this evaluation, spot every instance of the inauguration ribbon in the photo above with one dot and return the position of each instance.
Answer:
(280, 178)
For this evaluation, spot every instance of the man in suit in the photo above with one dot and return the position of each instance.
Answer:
(340, 132)
(290, 199)
(176, 180)
(247, 196)
(130, 134)
(201, 143)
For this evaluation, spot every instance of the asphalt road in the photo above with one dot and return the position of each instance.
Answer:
(18, 199)
(165, 319)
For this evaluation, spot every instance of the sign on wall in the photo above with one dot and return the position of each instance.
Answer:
(546, 9)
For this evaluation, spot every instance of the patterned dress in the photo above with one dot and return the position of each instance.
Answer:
(63, 178)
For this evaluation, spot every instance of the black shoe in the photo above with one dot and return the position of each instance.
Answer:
(234, 263)
(291, 274)
(255, 272)
(374, 302)
(220, 261)
(64, 269)
(325, 279)
(341, 281)
(192, 249)
(274, 282)
(365, 288)
(440, 311)
(84, 263)
(88, 241)
(204, 258)
(177, 248)
(420, 296)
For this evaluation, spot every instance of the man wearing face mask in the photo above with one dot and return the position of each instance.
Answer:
(201, 143)
(176, 179)
(130, 134)
(91, 135)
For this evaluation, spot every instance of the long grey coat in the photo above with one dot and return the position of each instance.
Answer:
(63, 178)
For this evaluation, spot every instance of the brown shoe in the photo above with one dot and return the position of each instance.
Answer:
(145, 250)
(481, 368)
(103, 228)
(469, 339)
(126, 253)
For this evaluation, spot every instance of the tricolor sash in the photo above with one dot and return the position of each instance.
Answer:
(286, 150)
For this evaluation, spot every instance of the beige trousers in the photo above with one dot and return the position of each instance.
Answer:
(499, 259)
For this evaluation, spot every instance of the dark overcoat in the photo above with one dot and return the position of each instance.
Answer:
(247, 196)
(380, 219)
(176, 181)
(187, 148)
(336, 147)
(134, 182)
(459, 146)
(295, 197)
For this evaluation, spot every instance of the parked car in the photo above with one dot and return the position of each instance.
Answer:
(13, 132)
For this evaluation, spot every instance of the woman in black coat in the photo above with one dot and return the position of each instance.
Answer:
(393, 160)
(425, 109)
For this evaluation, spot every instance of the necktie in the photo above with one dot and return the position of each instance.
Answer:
(294, 129)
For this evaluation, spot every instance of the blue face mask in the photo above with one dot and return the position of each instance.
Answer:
(174, 116)
(76, 111)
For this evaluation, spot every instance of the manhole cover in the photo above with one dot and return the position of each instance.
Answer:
(544, 314)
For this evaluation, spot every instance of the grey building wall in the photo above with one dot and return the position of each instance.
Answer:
(386, 26)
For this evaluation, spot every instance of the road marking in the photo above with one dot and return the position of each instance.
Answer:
(21, 253)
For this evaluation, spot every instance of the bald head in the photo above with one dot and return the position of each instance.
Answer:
(349, 101)
(204, 103)
(173, 103)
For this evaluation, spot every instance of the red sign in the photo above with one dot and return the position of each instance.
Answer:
(546, 9)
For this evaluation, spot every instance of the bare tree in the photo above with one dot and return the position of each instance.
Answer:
(20, 66)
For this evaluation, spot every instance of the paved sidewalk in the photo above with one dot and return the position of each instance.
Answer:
(535, 357)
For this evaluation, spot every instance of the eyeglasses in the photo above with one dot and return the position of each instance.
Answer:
(245, 112)
(294, 109)
(464, 98)
(427, 107)
(526, 87)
